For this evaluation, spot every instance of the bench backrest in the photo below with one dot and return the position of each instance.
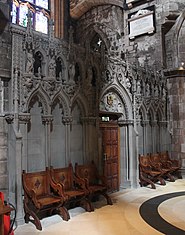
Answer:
(164, 156)
(38, 181)
(63, 176)
(87, 171)
(144, 160)
(155, 158)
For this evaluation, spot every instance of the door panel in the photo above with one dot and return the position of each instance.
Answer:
(110, 148)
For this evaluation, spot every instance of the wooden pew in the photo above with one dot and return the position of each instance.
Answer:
(39, 200)
(95, 183)
(174, 165)
(147, 173)
(74, 189)
(165, 170)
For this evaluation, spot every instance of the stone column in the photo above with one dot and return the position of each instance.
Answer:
(67, 122)
(154, 137)
(24, 123)
(47, 120)
(15, 168)
(176, 92)
(128, 163)
(145, 125)
(164, 137)
(89, 134)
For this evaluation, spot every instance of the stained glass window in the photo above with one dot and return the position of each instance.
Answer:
(39, 9)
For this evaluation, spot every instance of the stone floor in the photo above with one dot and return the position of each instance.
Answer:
(122, 217)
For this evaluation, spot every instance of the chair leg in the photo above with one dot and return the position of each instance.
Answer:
(29, 213)
(63, 212)
(87, 205)
(109, 201)
(171, 177)
(162, 181)
(146, 180)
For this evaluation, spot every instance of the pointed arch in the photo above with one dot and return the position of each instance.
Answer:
(124, 97)
(81, 103)
(94, 29)
(43, 99)
(63, 101)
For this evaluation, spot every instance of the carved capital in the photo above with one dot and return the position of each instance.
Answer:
(67, 120)
(9, 118)
(24, 118)
(47, 119)
(163, 123)
(145, 123)
(125, 122)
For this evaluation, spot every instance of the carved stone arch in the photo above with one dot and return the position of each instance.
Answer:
(42, 98)
(160, 114)
(96, 69)
(172, 41)
(64, 64)
(39, 52)
(81, 103)
(81, 67)
(123, 96)
(152, 114)
(102, 35)
(94, 29)
(63, 102)
(143, 111)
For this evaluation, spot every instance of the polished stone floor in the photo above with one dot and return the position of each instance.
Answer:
(122, 218)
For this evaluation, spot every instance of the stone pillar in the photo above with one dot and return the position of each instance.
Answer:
(47, 120)
(67, 122)
(176, 92)
(89, 134)
(154, 137)
(145, 125)
(24, 123)
(164, 137)
(128, 153)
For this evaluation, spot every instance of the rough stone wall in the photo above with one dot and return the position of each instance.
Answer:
(5, 74)
(151, 47)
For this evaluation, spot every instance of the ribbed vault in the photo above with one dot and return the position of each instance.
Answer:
(79, 7)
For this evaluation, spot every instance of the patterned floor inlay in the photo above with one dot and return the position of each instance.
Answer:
(149, 212)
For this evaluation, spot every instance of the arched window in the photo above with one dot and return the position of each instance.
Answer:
(40, 13)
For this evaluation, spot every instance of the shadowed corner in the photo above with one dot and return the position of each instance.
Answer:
(3, 18)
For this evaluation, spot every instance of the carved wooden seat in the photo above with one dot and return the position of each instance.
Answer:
(174, 165)
(95, 183)
(74, 189)
(165, 170)
(147, 173)
(39, 200)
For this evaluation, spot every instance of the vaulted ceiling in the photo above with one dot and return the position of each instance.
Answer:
(79, 7)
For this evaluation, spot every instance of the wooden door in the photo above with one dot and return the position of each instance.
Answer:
(110, 149)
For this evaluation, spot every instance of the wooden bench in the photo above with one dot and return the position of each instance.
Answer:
(147, 173)
(174, 165)
(39, 200)
(74, 189)
(95, 183)
(165, 170)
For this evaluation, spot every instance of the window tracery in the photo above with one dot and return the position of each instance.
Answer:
(39, 10)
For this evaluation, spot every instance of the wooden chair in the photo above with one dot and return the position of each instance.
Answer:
(174, 165)
(95, 183)
(74, 189)
(147, 173)
(39, 200)
(165, 170)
